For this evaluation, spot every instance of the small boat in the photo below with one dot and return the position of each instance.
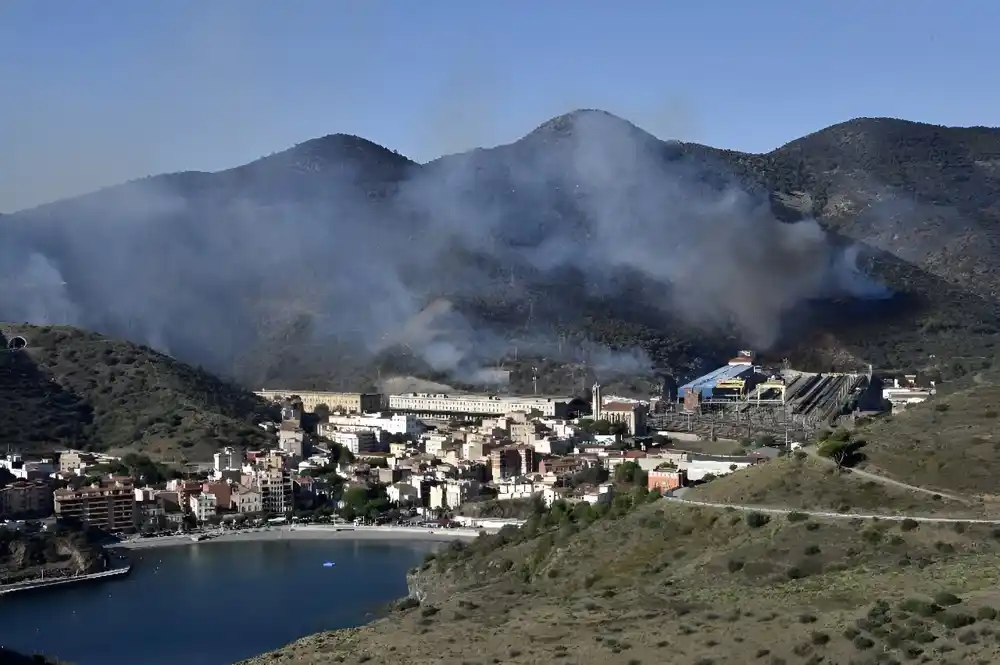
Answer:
(328, 564)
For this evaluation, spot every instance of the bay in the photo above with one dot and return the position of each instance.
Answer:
(211, 603)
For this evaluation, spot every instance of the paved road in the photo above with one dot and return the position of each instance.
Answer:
(874, 477)
(820, 513)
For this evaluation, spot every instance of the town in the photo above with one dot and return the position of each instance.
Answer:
(373, 458)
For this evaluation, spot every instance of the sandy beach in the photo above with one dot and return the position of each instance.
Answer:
(308, 532)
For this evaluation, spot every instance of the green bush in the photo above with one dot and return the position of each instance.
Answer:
(946, 599)
(756, 520)
(796, 516)
(908, 524)
(861, 643)
(955, 620)
(986, 613)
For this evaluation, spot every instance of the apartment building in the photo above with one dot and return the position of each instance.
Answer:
(276, 490)
(335, 401)
(363, 441)
(71, 461)
(203, 506)
(512, 461)
(229, 459)
(109, 505)
(26, 498)
(291, 438)
(246, 500)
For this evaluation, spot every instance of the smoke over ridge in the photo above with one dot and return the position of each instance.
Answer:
(377, 253)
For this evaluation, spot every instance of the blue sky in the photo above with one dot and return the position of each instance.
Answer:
(94, 93)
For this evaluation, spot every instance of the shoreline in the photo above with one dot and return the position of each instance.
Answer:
(307, 532)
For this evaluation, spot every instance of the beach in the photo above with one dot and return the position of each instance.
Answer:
(307, 532)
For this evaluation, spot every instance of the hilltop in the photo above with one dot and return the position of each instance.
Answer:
(71, 388)
(326, 265)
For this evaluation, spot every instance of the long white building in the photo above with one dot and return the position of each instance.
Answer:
(429, 405)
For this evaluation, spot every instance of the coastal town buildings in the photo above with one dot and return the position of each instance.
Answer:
(108, 505)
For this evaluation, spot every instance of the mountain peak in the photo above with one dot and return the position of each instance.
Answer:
(567, 123)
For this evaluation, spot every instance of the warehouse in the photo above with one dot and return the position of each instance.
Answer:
(726, 384)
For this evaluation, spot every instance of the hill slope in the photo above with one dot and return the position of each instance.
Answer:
(70, 388)
(588, 242)
(662, 583)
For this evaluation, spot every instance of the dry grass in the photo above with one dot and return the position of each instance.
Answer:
(669, 583)
(951, 442)
(809, 484)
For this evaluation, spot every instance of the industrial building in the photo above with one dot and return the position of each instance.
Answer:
(470, 405)
(346, 402)
(743, 398)
(728, 383)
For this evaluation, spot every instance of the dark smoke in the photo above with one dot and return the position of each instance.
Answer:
(378, 254)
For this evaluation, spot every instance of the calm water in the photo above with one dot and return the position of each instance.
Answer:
(211, 604)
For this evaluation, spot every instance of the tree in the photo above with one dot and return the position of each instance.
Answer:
(843, 452)
(322, 412)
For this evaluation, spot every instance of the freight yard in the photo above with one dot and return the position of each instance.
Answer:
(742, 399)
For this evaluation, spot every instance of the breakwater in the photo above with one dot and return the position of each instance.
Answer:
(35, 585)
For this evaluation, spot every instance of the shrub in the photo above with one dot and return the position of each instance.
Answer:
(807, 618)
(819, 638)
(920, 607)
(812, 549)
(946, 599)
(796, 516)
(861, 643)
(734, 565)
(812, 526)
(756, 520)
(908, 524)
(986, 613)
(955, 620)
(851, 633)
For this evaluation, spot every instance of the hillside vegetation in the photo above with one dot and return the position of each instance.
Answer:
(665, 583)
(475, 229)
(70, 388)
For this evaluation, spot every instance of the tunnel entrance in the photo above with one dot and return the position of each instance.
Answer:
(17, 343)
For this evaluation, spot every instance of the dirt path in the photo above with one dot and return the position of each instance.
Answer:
(883, 480)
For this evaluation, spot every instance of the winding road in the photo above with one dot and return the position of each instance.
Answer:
(677, 497)
(821, 513)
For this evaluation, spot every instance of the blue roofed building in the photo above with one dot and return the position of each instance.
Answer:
(728, 382)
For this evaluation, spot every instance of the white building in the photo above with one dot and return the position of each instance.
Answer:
(431, 404)
(699, 466)
(603, 494)
(434, 443)
(356, 442)
(229, 459)
(457, 492)
(401, 493)
(400, 423)
(203, 506)
(246, 500)
(518, 488)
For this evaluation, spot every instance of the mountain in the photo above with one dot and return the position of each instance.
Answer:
(588, 248)
(70, 388)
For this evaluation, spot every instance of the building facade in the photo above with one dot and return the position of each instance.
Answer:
(335, 401)
(110, 506)
(473, 405)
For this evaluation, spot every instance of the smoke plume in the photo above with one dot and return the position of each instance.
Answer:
(377, 253)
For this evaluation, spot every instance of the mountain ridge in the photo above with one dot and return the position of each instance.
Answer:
(526, 235)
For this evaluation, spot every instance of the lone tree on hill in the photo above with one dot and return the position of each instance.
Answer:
(843, 450)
